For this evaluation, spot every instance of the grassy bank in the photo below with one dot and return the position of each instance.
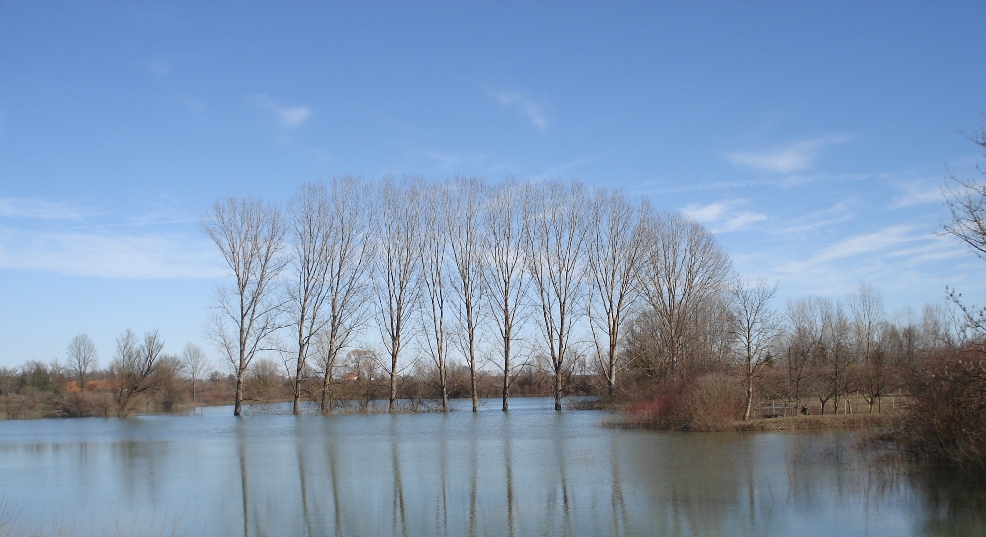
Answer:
(792, 423)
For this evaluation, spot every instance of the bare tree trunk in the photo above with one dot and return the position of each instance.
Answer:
(756, 325)
(397, 269)
(82, 358)
(464, 223)
(555, 234)
(749, 398)
(614, 254)
(344, 211)
(506, 368)
(249, 235)
(435, 230)
(194, 363)
(685, 273)
(504, 278)
(310, 220)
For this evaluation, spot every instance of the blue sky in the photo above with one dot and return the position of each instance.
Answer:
(813, 138)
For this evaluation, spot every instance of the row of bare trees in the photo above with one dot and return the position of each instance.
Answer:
(497, 276)
(457, 269)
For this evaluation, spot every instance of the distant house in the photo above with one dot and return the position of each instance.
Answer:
(72, 386)
(349, 377)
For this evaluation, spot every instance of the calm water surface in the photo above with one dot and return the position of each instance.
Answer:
(531, 471)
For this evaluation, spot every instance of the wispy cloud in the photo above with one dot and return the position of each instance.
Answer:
(562, 169)
(443, 161)
(838, 213)
(526, 106)
(724, 216)
(655, 187)
(159, 68)
(867, 244)
(917, 194)
(38, 209)
(902, 256)
(108, 255)
(793, 157)
(288, 116)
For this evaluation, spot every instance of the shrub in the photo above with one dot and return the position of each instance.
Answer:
(705, 402)
(945, 422)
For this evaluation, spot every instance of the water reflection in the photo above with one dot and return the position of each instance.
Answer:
(526, 472)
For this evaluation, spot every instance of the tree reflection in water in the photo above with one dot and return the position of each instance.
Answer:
(524, 472)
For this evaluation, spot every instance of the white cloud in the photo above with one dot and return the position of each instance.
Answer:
(840, 212)
(526, 106)
(917, 194)
(794, 157)
(37, 209)
(108, 255)
(884, 239)
(287, 116)
(723, 216)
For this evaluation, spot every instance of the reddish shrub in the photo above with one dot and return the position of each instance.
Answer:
(702, 403)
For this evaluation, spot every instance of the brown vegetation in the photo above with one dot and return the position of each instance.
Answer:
(945, 422)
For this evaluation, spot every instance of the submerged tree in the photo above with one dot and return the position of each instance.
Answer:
(555, 234)
(504, 277)
(433, 257)
(397, 270)
(308, 290)
(194, 363)
(250, 237)
(349, 255)
(467, 247)
(615, 252)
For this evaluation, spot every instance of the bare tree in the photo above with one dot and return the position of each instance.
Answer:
(505, 278)
(835, 337)
(685, 271)
(866, 307)
(308, 289)
(250, 237)
(614, 254)
(349, 255)
(467, 241)
(397, 269)
(133, 367)
(435, 229)
(194, 363)
(555, 235)
(805, 344)
(82, 358)
(966, 200)
(757, 326)
(868, 317)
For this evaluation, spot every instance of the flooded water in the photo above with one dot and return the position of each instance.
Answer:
(531, 471)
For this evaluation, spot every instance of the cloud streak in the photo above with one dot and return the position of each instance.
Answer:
(30, 208)
(287, 116)
(793, 157)
(781, 182)
(917, 194)
(723, 216)
(524, 105)
(108, 255)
